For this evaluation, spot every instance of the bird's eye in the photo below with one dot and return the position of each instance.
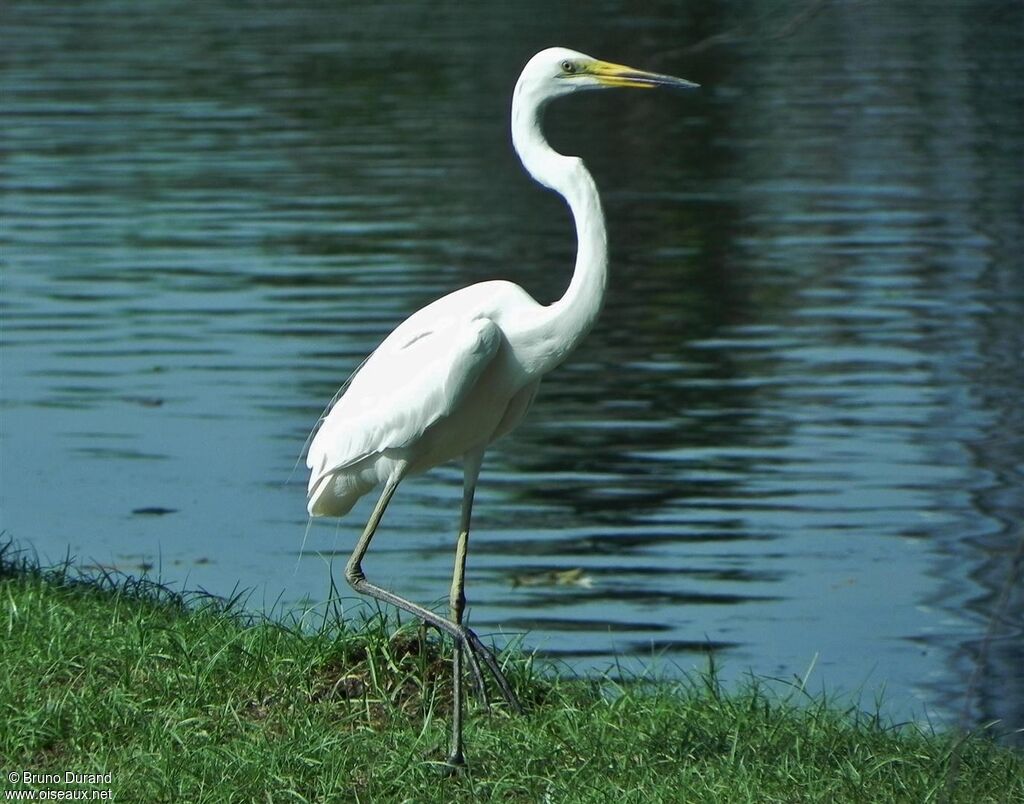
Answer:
(568, 67)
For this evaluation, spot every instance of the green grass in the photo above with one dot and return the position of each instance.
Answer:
(189, 701)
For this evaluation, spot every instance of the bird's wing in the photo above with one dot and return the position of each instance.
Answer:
(418, 375)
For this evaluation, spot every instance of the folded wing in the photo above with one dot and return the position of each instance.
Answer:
(417, 376)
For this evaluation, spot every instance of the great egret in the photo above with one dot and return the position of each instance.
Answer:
(462, 372)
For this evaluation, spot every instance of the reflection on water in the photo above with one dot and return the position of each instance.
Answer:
(794, 438)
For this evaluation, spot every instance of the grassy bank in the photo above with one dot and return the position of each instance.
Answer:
(186, 701)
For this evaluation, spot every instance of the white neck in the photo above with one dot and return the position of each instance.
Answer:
(560, 327)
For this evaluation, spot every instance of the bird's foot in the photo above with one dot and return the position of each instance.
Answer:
(454, 765)
(476, 651)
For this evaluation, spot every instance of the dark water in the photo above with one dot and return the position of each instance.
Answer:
(796, 435)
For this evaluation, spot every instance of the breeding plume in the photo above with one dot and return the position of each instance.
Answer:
(462, 371)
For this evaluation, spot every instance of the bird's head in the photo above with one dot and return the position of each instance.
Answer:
(559, 71)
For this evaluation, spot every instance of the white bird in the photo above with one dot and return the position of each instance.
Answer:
(462, 371)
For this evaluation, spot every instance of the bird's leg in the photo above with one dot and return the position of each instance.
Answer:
(357, 580)
(457, 605)
(467, 644)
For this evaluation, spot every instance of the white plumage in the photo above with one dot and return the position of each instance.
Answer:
(445, 382)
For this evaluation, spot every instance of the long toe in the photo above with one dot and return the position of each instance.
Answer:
(477, 649)
(479, 683)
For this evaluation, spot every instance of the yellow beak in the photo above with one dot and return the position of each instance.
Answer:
(619, 75)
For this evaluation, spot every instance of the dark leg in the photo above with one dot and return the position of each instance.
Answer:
(467, 643)
(357, 579)
(457, 604)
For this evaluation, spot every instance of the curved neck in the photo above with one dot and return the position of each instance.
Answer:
(563, 324)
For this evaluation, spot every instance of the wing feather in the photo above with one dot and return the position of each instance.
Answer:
(417, 376)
